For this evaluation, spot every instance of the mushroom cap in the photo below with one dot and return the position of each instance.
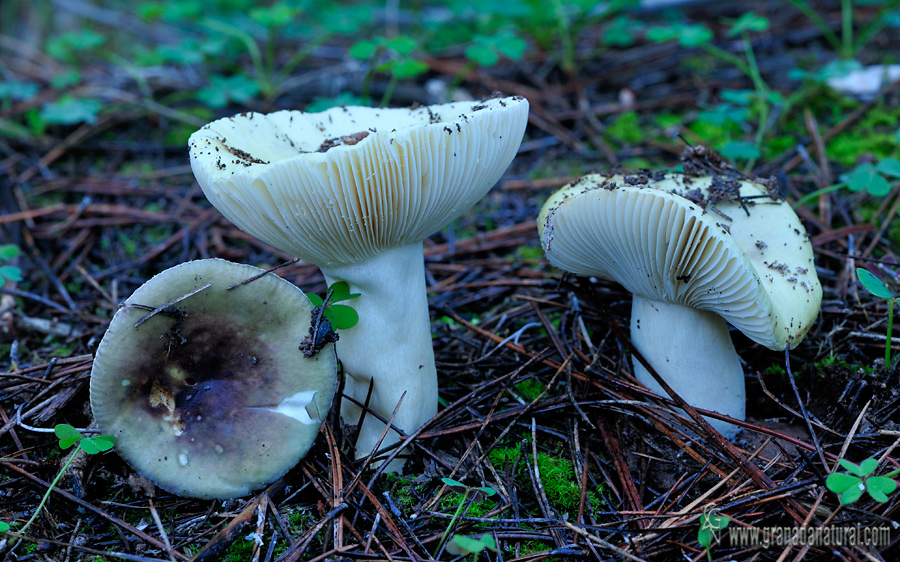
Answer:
(215, 399)
(343, 185)
(746, 256)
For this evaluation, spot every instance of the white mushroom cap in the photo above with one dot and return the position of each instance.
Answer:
(752, 265)
(215, 400)
(337, 187)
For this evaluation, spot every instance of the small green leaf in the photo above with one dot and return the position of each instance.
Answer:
(661, 34)
(747, 23)
(17, 91)
(455, 486)
(694, 35)
(740, 150)
(865, 176)
(840, 482)
(853, 494)
(889, 167)
(868, 466)
(468, 545)
(363, 50)
(101, 442)
(315, 299)
(738, 97)
(67, 435)
(11, 273)
(879, 487)
(409, 68)
(341, 316)
(486, 491)
(482, 54)
(704, 537)
(402, 45)
(4, 526)
(877, 287)
(70, 111)
(89, 447)
(340, 291)
(278, 15)
(851, 467)
(511, 46)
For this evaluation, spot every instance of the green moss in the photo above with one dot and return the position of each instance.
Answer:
(875, 134)
(529, 253)
(239, 551)
(530, 388)
(481, 508)
(626, 128)
(557, 476)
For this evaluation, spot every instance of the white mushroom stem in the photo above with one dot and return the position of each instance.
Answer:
(391, 345)
(692, 351)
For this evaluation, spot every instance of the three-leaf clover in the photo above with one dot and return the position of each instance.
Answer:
(67, 436)
(851, 486)
(340, 316)
(871, 178)
(710, 525)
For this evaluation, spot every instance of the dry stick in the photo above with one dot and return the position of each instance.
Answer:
(212, 549)
(171, 303)
(263, 274)
(628, 488)
(260, 527)
(162, 530)
(110, 518)
(337, 485)
(790, 376)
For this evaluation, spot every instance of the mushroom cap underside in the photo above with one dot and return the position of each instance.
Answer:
(212, 398)
(745, 256)
(346, 184)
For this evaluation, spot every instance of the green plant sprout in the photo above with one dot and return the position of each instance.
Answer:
(398, 62)
(467, 492)
(67, 436)
(875, 179)
(9, 272)
(710, 525)
(266, 80)
(471, 545)
(877, 287)
(340, 316)
(850, 487)
(761, 99)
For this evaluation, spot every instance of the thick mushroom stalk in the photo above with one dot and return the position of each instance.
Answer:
(696, 250)
(692, 351)
(355, 190)
(390, 347)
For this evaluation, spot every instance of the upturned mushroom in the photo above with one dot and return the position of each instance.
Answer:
(210, 397)
(696, 250)
(356, 190)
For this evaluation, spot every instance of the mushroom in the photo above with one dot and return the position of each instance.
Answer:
(356, 190)
(695, 251)
(210, 396)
